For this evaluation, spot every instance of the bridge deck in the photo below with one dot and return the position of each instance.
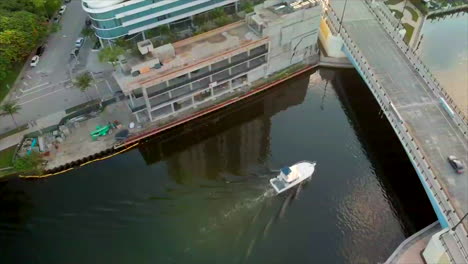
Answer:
(436, 133)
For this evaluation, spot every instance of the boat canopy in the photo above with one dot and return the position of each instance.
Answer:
(289, 174)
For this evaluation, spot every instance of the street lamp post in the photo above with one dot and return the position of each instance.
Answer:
(459, 222)
(342, 16)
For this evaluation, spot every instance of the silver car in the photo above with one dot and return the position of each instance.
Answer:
(456, 164)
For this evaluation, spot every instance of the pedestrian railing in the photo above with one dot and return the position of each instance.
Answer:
(404, 133)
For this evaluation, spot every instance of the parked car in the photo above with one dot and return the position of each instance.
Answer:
(62, 9)
(67, 1)
(34, 61)
(456, 164)
(40, 50)
(79, 42)
(57, 18)
(74, 53)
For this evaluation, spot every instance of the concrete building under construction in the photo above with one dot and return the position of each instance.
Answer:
(164, 81)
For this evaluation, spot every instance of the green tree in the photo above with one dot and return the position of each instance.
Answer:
(22, 21)
(10, 108)
(87, 32)
(83, 82)
(51, 6)
(4, 68)
(248, 7)
(165, 30)
(19, 5)
(14, 45)
(111, 54)
(27, 163)
(121, 42)
(217, 12)
(40, 5)
(222, 20)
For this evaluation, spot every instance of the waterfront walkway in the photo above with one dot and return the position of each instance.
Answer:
(410, 250)
(411, 101)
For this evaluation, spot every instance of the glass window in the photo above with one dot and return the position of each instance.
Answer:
(138, 93)
(239, 57)
(257, 62)
(180, 91)
(161, 112)
(219, 65)
(178, 80)
(203, 83)
(199, 72)
(153, 90)
(157, 100)
(221, 76)
(239, 68)
(258, 50)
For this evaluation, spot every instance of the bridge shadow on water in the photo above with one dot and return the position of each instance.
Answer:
(398, 178)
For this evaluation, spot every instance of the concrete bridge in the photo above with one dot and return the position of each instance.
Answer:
(429, 126)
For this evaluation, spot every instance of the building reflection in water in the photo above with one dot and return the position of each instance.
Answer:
(228, 141)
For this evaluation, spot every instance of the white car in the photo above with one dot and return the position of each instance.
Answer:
(34, 61)
(79, 42)
(62, 9)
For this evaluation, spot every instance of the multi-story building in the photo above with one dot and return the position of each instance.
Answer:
(112, 19)
(170, 79)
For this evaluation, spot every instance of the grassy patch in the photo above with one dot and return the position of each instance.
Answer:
(397, 13)
(6, 157)
(414, 14)
(393, 2)
(9, 80)
(420, 5)
(14, 131)
(409, 32)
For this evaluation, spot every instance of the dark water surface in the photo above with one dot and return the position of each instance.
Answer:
(200, 194)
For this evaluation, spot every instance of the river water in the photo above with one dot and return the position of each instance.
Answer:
(200, 193)
(444, 48)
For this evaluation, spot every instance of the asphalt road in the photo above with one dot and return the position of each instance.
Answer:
(47, 88)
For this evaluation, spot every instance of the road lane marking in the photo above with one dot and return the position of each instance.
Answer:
(45, 88)
(34, 87)
(39, 97)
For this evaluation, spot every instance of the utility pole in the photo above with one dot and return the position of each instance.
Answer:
(342, 16)
(459, 222)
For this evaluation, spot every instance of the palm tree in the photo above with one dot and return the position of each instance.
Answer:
(10, 108)
(83, 82)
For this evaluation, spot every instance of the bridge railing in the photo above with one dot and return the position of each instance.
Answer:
(387, 14)
(410, 144)
(458, 115)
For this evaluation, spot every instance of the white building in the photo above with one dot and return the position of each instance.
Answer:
(176, 77)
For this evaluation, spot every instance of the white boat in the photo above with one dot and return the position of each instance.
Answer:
(292, 176)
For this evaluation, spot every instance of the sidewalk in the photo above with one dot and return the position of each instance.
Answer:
(41, 123)
(409, 251)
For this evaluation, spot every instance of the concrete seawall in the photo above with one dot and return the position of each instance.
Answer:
(135, 140)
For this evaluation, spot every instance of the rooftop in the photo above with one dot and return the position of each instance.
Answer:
(185, 53)
(278, 11)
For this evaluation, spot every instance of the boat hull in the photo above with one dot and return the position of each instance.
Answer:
(305, 169)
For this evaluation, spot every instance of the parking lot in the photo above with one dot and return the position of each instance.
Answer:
(48, 87)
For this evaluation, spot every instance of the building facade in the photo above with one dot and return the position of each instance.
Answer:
(112, 19)
(170, 79)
